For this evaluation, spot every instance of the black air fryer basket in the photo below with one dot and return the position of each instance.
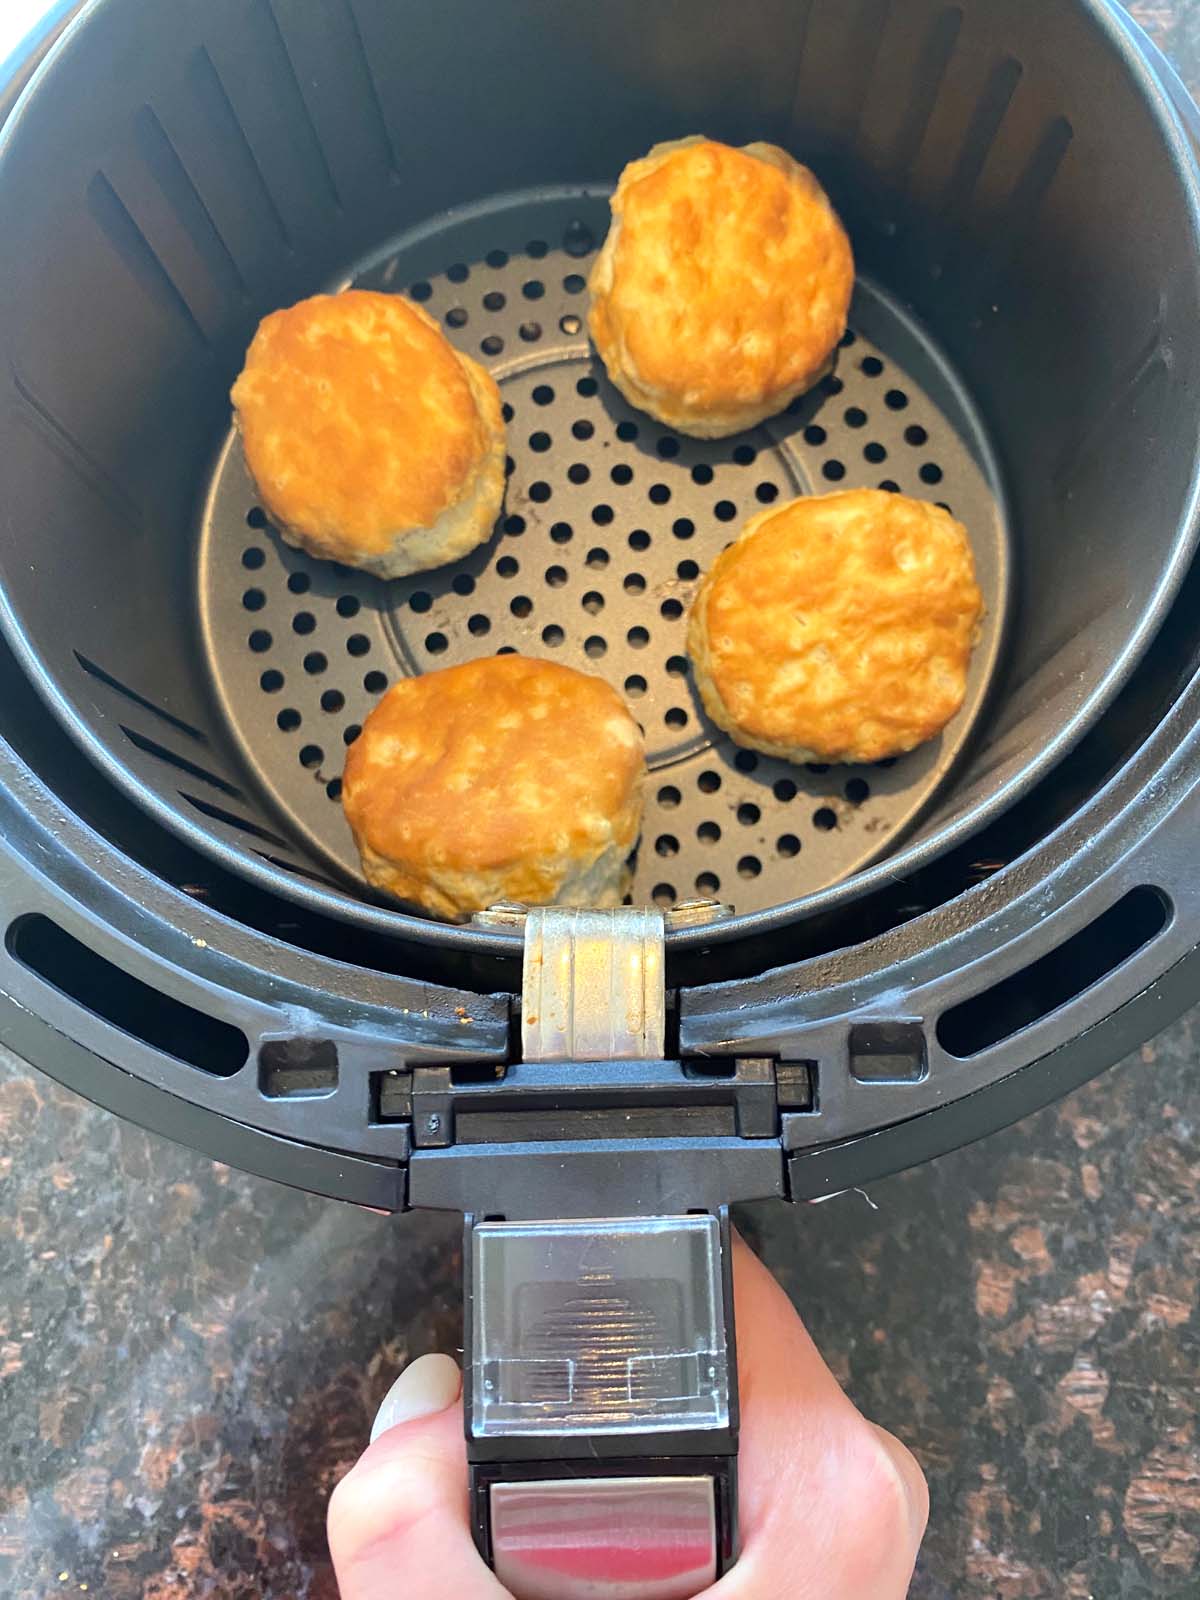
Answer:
(918, 952)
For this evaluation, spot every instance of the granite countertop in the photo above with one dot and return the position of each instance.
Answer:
(191, 1357)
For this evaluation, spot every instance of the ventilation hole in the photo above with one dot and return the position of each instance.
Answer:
(478, 625)
(672, 610)
(539, 442)
(301, 583)
(493, 300)
(748, 814)
(676, 718)
(288, 720)
(539, 492)
(348, 605)
(592, 603)
(259, 641)
(533, 289)
(507, 567)
(915, 434)
(561, 533)
(1057, 978)
(304, 622)
(890, 485)
(666, 845)
(621, 474)
(543, 395)
(634, 583)
(724, 511)
(420, 290)
(707, 885)
(579, 472)
(931, 472)
(253, 558)
(271, 681)
(333, 700)
(639, 539)
(531, 332)
(848, 338)
(825, 819)
(896, 399)
(627, 431)
(507, 650)
(817, 767)
(556, 577)
(639, 638)
(834, 470)
(456, 317)
(492, 346)
(871, 365)
(677, 666)
(708, 782)
(832, 385)
(595, 647)
(553, 635)
(570, 325)
(765, 493)
(375, 682)
(815, 434)
(254, 600)
(942, 506)
(256, 517)
(587, 387)
(351, 733)
(702, 473)
(668, 447)
(669, 797)
(749, 867)
(574, 284)
(635, 686)
(497, 258)
(744, 455)
(420, 601)
(857, 790)
(687, 570)
(582, 429)
(334, 788)
(708, 833)
(874, 453)
(683, 527)
(659, 494)
(358, 644)
(597, 557)
(602, 515)
(746, 761)
(784, 790)
(311, 755)
(136, 1008)
(855, 417)
(578, 238)
(787, 845)
(506, 411)
(663, 895)
(520, 605)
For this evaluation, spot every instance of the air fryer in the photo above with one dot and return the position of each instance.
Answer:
(840, 971)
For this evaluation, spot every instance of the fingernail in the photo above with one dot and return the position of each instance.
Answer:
(426, 1386)
(912, 1480)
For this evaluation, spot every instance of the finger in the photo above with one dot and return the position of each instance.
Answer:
(398, 1519)
(832, 1507)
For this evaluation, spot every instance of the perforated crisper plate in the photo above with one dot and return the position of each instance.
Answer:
(609, 521)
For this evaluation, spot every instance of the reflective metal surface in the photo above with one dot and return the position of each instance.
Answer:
(605, 1539)
(593, 985)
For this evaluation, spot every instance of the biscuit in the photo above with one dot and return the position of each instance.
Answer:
(372, 441)
(838, 627)
(502, 779)
(723, 286)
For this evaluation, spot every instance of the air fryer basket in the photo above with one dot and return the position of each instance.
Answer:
(1022, 349)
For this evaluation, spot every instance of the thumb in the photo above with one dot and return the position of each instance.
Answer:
(398, 1519)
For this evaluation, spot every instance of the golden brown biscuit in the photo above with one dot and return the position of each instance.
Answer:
(502, 779)
(838, 628)
(723, 285)
(371, 439)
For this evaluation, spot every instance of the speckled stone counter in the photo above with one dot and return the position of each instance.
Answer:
(190, 1357)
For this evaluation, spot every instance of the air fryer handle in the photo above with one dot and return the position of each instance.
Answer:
(600, 1396)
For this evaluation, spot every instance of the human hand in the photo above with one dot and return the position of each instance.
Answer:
(832, 1507)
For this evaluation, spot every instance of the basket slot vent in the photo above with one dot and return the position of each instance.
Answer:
(297, 1068)
(123, 689)
(112, 217)
(181, 763)
(232, 820)
(107, 991)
